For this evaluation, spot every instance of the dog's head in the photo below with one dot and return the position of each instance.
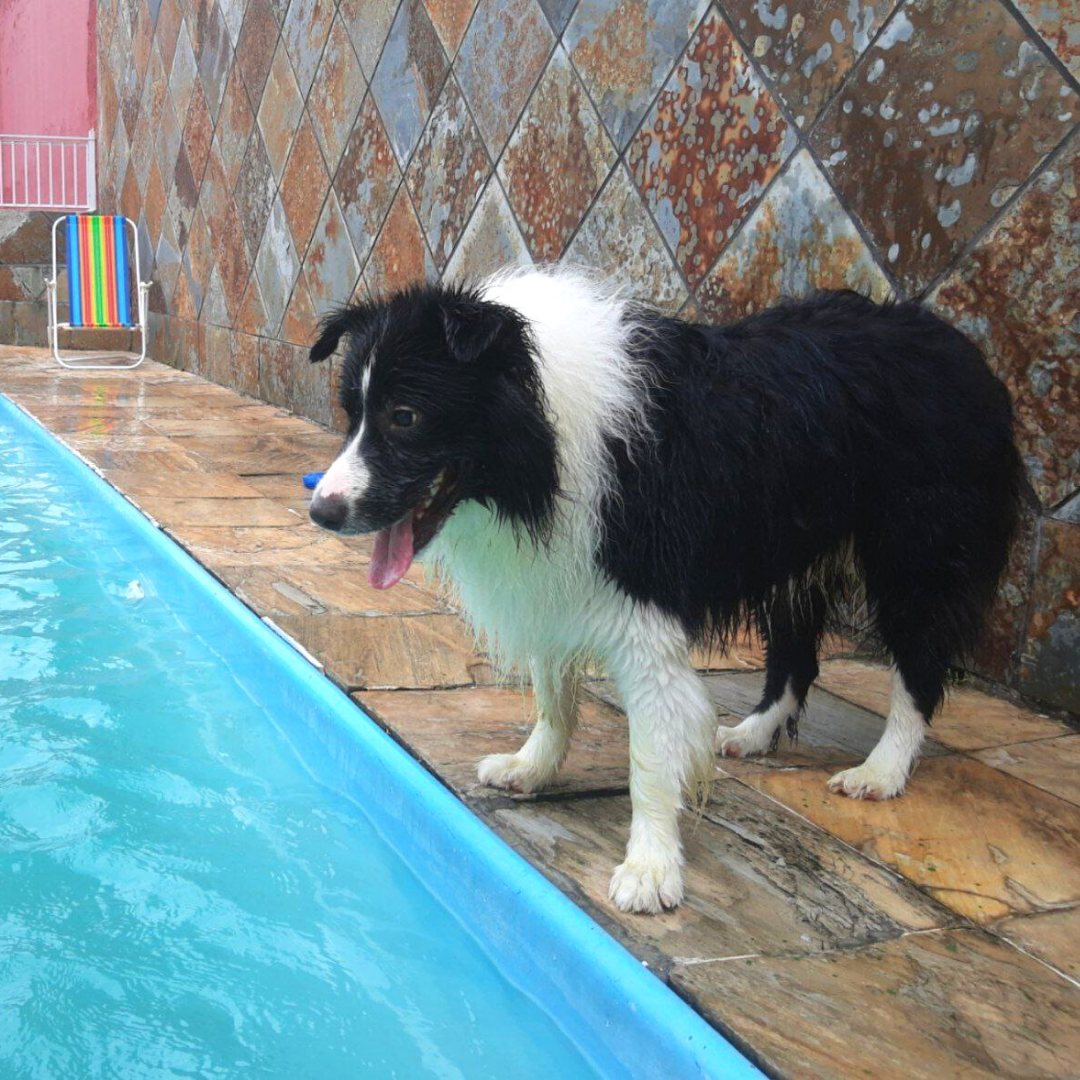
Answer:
(445, 404)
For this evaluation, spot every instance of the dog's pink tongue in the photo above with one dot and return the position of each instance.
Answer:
(393, 554)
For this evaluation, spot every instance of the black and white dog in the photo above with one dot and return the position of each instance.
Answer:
(602, 484)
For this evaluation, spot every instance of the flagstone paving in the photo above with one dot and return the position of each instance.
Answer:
(928, 936)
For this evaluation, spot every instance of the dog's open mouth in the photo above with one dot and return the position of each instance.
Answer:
(397, 546)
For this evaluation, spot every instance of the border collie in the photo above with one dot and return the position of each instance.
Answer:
(601, 484)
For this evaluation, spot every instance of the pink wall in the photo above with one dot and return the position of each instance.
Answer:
(48, 67)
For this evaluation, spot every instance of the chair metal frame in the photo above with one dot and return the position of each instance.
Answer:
(55, 326)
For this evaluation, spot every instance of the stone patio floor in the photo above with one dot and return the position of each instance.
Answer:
(936, 935)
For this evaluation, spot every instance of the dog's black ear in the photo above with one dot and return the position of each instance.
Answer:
(523, 466)
(472, 326)
(356, 319)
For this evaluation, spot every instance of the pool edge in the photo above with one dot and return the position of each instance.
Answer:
(660, 1033)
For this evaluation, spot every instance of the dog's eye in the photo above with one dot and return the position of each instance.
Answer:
(403, 417)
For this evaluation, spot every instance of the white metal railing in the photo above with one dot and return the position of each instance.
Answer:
(48, 172)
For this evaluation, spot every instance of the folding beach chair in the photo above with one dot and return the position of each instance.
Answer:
(101, 290)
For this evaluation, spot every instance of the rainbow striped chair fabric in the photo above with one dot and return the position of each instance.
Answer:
(103, 293)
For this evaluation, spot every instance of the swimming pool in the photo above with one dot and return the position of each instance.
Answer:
(214, 864)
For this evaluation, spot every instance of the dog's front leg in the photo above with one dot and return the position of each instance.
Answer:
(537, 763)
(671, 758)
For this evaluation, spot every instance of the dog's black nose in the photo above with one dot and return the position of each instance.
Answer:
(329, 511)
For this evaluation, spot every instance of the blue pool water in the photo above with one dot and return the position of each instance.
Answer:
(178, 895)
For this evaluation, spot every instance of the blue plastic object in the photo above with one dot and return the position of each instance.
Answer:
(622, 1018)
(312, 479)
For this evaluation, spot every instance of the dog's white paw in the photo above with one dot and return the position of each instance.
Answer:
(646, 887)
(512, 772)
(867, 781)
(745, 740)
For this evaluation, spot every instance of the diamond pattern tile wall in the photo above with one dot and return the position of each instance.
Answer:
(409, 77)
(949, 111)
(501, 58)
(624, 52)
(336, 93)
(281, 156)
(447, 172)
(556, 160)
(708, 147)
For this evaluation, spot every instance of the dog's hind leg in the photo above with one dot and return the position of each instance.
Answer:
(885, 772)
(537, 763)
(671, 760)
(792, 639)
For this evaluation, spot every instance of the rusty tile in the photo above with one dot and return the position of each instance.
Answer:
(450, 19)
(169, 138)
(708, 147)
(298, 325)
(619, 239)
(806, 50)
(276, 265)
(558, 13)
(953, 1003)
(331, 268)
(198, 133)
(555, 161)
(336, 94)
(166, 263)
(304, 33)
(167, 29)
(303, 185)
(797, 240)
(409, 77)
(243, 373)
(288, 379)
(251, 318)
(492, 240)
(255, 47)
(984, 844)
(142, 150)
(215, 58)
(182, 198)
(227, 233)
(1050, 663)
(130, 199)
(233, 13)
(234, 125)
(368, 23)
(254, 192)
(280, 111)
(447, 172)
(1058, 21)
(624, 51)
(400, 256)
(367, 178)
(184, 72)
(944, 117)
(215, 309)
(155, 90)
(500, 60)
(1017, 295)
(24, 237)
